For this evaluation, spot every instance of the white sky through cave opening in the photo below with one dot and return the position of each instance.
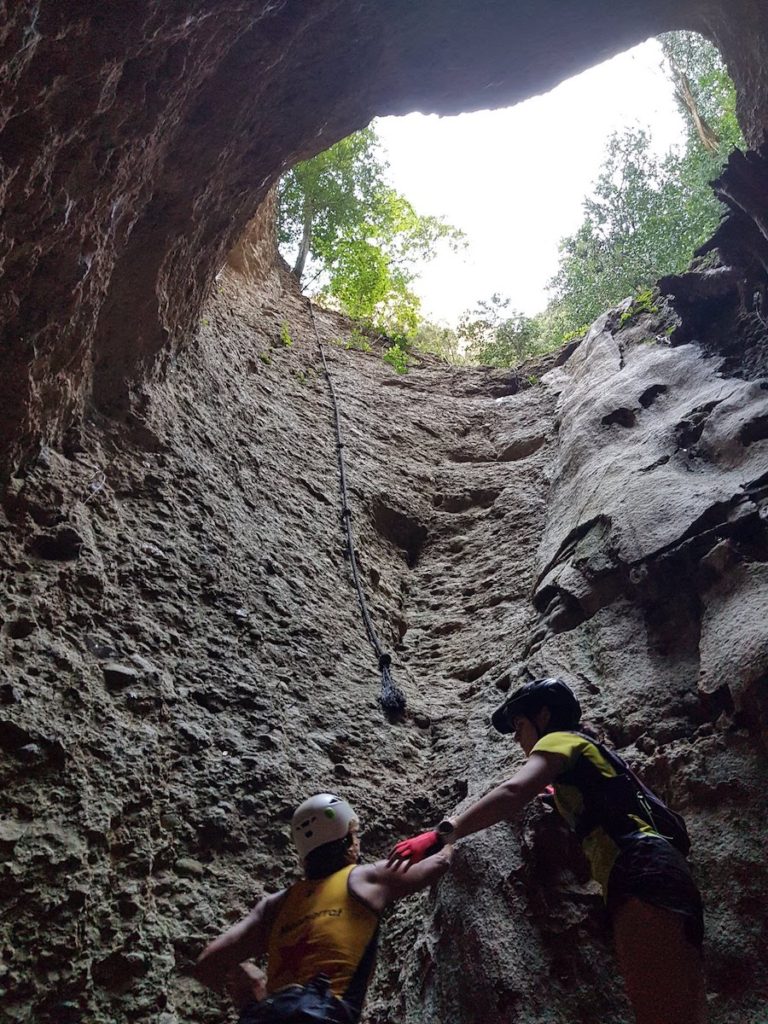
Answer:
(514, 179)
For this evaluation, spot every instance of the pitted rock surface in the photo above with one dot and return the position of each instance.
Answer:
(183, 659)
(135, 147)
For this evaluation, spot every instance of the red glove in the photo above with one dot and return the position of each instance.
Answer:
(415, 849)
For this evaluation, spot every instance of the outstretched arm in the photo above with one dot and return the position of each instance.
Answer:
(378, 884)
(248, 938)
(508, 799)
(501, 804)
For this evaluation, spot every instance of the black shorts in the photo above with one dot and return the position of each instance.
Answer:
(652, 870)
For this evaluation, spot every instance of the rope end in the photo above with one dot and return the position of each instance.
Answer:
(392, 699)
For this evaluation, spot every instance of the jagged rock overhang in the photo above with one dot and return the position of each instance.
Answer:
(137, 143)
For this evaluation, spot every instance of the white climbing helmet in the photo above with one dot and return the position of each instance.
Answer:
(320, 820)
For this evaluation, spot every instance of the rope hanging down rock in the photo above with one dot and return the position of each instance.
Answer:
(392, 698)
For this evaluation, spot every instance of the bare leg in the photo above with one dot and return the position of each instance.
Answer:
(661, 969)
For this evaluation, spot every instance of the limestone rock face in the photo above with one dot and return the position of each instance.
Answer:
(136, 145)
(651, 589)
(181, 656)
(183, 659)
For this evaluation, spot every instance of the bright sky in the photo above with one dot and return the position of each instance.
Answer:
(513, 180)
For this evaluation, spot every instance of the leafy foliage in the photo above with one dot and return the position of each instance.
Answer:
(358, 341)
(643, 302)
(648, 214)
(491, 334)
(355, 236)
(495, 335)
(645, 217)
(360, 242)
(439, 340)
(703, 88)
(398, 357)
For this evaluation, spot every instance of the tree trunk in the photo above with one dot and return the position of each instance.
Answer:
(306, 238)
(708, 137)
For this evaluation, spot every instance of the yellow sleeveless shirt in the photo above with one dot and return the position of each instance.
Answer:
(320, 928)
(582, 762)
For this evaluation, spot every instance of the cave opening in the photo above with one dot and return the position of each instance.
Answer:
(534, 219)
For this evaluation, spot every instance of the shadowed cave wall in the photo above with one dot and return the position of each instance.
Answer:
(136, 141)
(182, 658)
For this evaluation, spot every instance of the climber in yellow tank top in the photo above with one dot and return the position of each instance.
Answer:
(320, 934)
(321, 928)
(583, 760)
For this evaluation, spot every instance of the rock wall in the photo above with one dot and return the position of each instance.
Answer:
(181, 656)
(183, 660)
(136, 144)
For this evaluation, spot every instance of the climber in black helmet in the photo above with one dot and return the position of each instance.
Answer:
(319, 935)
(653, 902)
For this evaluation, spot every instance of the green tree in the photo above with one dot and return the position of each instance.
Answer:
(355, 236)
(648, 214)
(493, 334)
(704, 91)
(440, 341)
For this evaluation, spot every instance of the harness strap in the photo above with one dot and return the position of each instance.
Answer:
(358, 984)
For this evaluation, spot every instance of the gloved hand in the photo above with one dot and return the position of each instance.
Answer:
(411, 851)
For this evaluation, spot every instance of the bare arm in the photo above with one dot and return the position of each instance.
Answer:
(248, 938)
(500, 804)
(510, 797)
(246, 983)
(378, 884)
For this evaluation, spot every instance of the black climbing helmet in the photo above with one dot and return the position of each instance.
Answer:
(551, 693)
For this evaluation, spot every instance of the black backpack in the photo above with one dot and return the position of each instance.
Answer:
(608, 802)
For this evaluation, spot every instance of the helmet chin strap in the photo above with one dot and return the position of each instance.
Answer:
(535, 724)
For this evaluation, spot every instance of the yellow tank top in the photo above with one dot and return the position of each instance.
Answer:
(321, 928)
(582, 762)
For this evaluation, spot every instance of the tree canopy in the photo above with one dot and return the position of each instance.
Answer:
(355, 237)
(494, 334)
(360, 243)
(645, 217)
(648, 214)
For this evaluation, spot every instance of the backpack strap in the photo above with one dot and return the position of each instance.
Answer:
(610, 801)
(613, 802)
